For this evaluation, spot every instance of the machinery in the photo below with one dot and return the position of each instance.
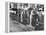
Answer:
(28, 15)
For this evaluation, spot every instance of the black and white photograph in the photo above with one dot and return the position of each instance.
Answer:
(24, 17)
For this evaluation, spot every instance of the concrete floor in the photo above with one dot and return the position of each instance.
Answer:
(18, 27)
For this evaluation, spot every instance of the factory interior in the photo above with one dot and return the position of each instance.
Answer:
(26, 17)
